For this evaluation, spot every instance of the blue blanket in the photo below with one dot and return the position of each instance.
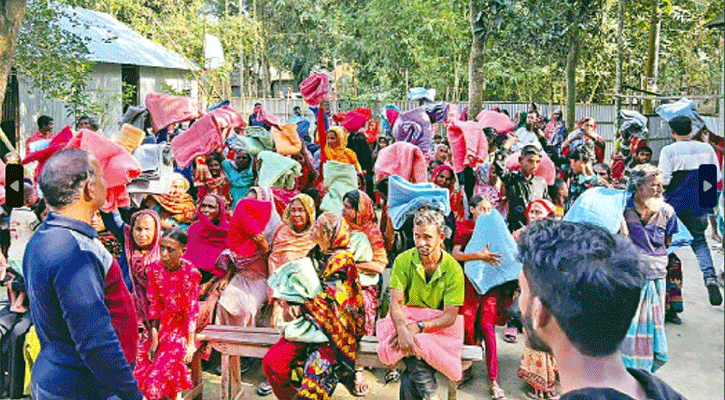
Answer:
(340, 178)
(683, 238)
(599, 206)
(491, 229)
(405, 198)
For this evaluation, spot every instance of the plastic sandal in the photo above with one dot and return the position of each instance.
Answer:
(510, 335)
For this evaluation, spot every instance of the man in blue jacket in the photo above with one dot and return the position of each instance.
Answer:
(82, 310)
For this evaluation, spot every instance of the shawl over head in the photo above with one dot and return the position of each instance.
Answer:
(139, 262)
(207, 240)
(308, 203)
(267, 194)
(249, 219)
(290, 245)
(366, 220)
(549, 206)
(181, 207)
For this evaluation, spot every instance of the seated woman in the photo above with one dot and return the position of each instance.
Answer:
(488, 185)
(211, 178)
(176, 208)
(444, 177)
(337, 310)
(359, 214)
(482, 311)
(245, 262)
(292, 239)
(336, 148)
(241, 175)
(309, 174)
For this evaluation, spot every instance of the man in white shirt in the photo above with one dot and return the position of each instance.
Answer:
(529, 134)
(680, 162)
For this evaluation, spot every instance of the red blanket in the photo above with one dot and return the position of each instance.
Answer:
(119, 167)
(166, 109)
(202, 138)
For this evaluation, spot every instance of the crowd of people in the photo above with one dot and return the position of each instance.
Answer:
(332, 226)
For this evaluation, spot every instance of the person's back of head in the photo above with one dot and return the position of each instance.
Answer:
(681, 126)
(581, 153)
(588, 279)
(63, 175)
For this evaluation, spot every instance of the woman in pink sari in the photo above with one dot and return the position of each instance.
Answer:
(208, 237)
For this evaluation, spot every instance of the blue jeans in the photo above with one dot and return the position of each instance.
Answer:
(697, 224)
(418, 381)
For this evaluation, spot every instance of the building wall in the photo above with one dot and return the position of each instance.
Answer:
(153, 79)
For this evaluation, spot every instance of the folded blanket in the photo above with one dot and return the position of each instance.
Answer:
(599, 206)
(340, 178)
(265, 116)
(278, 171)
(419, 93)
(261, 135)
(297, 282)
(403, 159)
(546, 170)
(227, 117)
(441, 349)
(203, 137)
(405, 198)
(491, 229)
(315, 88)
(148, 156)
(496, 120)
(362, 251)
(286, 139)
(119, 167)
(353, 121)
(437, 112)
(135, 116)
(469, 145)
(389, 115)
(166, 109)
(222, 103)
(130, 137)
(682, 107)
(414, 127)
(56, 144)
(39, 145)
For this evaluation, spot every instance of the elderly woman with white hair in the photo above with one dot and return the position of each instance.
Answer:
(651, 224)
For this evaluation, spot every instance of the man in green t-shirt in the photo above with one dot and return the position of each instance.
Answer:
(428, 277)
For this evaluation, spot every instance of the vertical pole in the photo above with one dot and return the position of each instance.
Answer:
(618, 82)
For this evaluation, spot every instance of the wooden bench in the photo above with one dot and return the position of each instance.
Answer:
(197, 380)
(234, 342)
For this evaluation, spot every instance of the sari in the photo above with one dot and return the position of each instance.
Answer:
(246, 292)
(267, 194)
(457, 200)
(207, 240)
(366, 223)
(341, 153)
(208, 184)
(289, 245)
(138, 264)
(177, 209)
(491, 192)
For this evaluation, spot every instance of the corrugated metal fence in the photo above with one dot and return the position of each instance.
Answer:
(659, 132)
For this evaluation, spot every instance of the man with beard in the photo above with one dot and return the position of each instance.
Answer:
(529, 134)
(680, 163)
(423, 277)
(580, 287)
(651, 223)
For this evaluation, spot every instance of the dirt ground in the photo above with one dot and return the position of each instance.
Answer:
(695, 368)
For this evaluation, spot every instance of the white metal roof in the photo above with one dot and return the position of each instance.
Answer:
(113, 42)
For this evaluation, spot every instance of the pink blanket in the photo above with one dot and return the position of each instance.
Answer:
(118, 165)
(265, 116)
(546, 170)
(166, 109)
(498, 121)
(315, 88)
(441, 349)
(469, 146)
(203, 137)
(403, 159)
(228, 117)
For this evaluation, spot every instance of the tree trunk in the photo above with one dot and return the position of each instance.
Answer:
(650, 83)
(618, 78)
(475, 62)
(572, 59)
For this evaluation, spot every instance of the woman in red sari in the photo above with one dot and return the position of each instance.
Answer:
(444, 177)
(337, 311)
(173, 295)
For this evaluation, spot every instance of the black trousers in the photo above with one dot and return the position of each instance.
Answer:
(13, 328)
(418, 381)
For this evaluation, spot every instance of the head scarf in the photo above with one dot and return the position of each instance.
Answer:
(308, 203)
(366, 220)
(139, 261)
(181, 207)
(549, 206)
(341, 153)
(483, 174)
(334, 230)
(249, 219)
(441, 169)
(207, 240)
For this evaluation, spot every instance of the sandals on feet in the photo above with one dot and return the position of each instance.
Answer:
(510, 335)
(264, 389)
(392, 376)
(360, 386)
(497, 393)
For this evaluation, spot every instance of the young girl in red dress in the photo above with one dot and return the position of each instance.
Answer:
(173, 294)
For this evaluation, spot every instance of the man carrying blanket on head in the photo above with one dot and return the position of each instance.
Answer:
(423, 326)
